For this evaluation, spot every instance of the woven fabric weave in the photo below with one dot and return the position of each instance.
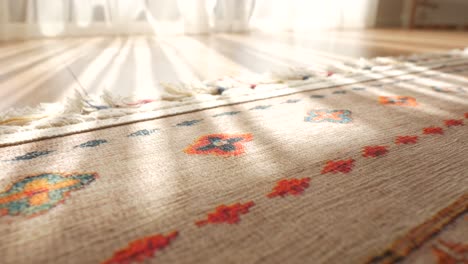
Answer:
(336, 175)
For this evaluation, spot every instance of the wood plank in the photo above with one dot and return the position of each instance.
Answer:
(44, 70)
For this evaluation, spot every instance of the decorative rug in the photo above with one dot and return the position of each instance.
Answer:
(361, 162)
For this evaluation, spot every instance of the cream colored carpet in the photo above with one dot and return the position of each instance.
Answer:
(366, 168)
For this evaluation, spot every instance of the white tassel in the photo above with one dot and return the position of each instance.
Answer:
(84, 108)
(298, 73)
(188, 89)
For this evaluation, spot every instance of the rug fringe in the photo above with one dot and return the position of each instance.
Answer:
(82, 107)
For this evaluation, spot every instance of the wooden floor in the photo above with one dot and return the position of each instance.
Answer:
(49, 70)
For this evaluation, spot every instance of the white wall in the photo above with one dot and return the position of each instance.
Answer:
(58, 18)
(306, 15)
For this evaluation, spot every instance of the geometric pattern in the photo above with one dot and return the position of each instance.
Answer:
(433, 130)
(453, 122)
(398, 100)
(92, 143)
(141, 249)
(143, 132)
(260, 107)
(32, 155)
(219, 144)
(291, 186)
(227, 113)
(229, 214)
(333, 116)
(38, 194)
(336, 166)
(189, 123)
(374, 151)
(406, 140)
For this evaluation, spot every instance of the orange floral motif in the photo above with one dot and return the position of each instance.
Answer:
(433, 130)
(289, 186)
(374, 151)
(398, 100)
(141, 249)
(453, 122)
(220, 144)
(228, 214)
(450, 253)
(406, 140)
(335, 166)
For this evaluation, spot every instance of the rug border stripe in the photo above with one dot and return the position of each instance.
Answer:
(422, 233)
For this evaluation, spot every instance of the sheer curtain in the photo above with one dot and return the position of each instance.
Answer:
(37, 18)
(306, 15)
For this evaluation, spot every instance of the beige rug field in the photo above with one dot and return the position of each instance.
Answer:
(373, 171)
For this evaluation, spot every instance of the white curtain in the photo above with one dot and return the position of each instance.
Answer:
(306, 15)
(81, 17)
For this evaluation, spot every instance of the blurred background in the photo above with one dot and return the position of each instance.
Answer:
(50, 48)
(24, 19)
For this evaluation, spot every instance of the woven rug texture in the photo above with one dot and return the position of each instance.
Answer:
(370, 172)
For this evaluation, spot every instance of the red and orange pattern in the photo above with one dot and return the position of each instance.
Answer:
(374, 151)
(450, 253)
(289, 186)
(398, 100)
(32, 195)
(229, 214)
(331, 116)
(453, 122)
(233, 145)
(406, 140)
(141, 249)
(336, 166)
(433, 131)
(220, 145)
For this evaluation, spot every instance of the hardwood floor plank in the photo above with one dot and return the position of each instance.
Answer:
(45, 81)
(38, 71)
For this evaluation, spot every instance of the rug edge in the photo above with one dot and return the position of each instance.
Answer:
(419, 235)
(43, 128)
